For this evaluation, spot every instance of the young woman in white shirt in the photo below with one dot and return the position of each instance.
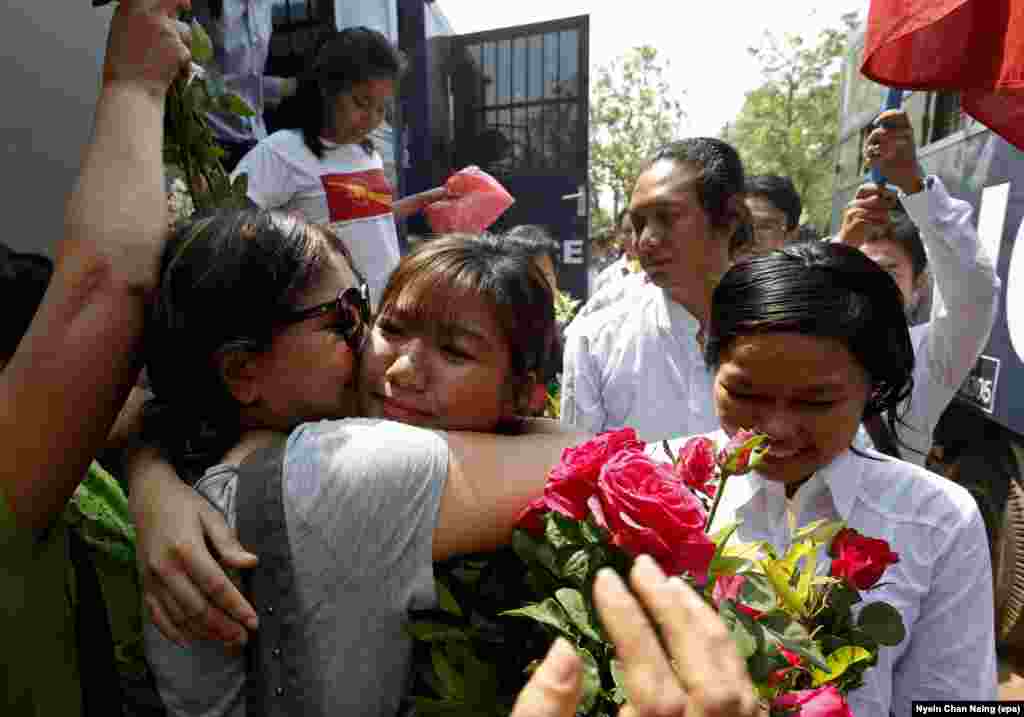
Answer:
(324, 166)
(805, 344)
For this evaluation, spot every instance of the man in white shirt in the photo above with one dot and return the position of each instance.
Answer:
(936, 232)
(638, 361)
(619, 268)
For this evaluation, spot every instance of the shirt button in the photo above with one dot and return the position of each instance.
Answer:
(276, 653)
(279, 692)
(270, 610)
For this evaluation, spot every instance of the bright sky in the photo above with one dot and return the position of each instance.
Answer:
(705, 42)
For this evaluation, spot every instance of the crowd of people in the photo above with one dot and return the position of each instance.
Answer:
(305, 421)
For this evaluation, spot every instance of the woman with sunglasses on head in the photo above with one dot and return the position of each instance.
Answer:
(324, 166)
(256, 327)
(805, 343)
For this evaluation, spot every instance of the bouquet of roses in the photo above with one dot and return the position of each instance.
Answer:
(607, 502)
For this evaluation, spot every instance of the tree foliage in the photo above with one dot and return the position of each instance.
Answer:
(632, 113)
(789, 124)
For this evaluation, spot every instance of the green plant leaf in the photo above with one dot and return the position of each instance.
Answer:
(721, 537)
(739, 626)
(591, 682)
(451, 681)
(592, 532)
(757, 593)
(561, 532)
(883, 623)
(439, 708)
(201, 47)
(576, 608)
(446, 600)
(576, 566)
(838, 661)
(230, 102)
(820, 531)
(549, 612)
(426, 631)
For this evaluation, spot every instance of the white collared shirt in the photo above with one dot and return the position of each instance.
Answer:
(964, 308)
(942, 585)
(637, 363)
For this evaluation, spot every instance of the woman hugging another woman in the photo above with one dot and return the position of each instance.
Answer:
(259, 326)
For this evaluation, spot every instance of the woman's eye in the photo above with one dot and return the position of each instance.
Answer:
(819, 404)
(389, 327)
(456, 353)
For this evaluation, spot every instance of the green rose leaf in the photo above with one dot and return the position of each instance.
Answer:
(548, 612)
(451, 681)
(740, 626)
(591, 682)
(427, 631)
(446, 600)
(592, 532)
(757, 593)
(532, 551)
(883, 622)
(561, 532)
(202, 48)
(576, 566)
(576, 608)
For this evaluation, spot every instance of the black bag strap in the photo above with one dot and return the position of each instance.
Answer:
(261, 528)
(97, 669)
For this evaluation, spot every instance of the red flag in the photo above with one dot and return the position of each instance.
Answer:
(975, 47)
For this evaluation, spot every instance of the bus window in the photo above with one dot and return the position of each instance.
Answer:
(944, 115)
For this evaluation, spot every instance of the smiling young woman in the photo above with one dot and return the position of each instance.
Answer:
(805, 344)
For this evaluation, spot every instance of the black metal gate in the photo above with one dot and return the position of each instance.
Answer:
(519, 110)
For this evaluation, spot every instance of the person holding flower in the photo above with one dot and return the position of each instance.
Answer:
(805, 344)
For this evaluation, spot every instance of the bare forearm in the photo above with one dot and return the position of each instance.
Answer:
(73, 370)
(117, 212)
(491, 479)
(407, 206)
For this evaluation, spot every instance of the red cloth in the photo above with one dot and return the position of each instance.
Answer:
(975, 47)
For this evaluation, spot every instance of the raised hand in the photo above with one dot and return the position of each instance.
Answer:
(147, 46)
(891, 149)
(867, 216)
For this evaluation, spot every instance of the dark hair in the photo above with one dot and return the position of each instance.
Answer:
(904, 233)
(821, 289)
(343, 59)
(224, 280)
(23, 281)
(534, 240)
(442, 270)
(721, 178)
(780, 192)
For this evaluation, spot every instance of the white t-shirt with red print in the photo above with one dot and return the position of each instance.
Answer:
(346, 190)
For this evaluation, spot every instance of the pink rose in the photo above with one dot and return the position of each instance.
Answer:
(574, 479)
(695, 464)
(858, 559)
(823, 702)
(738, 455)
(647, 511)
(728, 587)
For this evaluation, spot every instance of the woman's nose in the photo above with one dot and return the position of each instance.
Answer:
(408, 369)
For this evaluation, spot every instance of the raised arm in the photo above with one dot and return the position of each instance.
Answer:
(66, 383)
(966, 286)
(407, 206)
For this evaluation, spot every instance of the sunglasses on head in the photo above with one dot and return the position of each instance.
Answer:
(352, 306)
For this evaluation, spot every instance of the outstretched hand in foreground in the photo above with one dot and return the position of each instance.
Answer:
(698, 673)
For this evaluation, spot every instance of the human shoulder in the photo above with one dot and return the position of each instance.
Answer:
(905, 492)
(355, 450)
(633, 303)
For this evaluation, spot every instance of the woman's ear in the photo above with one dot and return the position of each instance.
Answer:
(238, 372)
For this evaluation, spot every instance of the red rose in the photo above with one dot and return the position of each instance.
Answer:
(574, 479)
(647, 511)
(695, 464)
(823, 702)
(728, 587)
(859, 559)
